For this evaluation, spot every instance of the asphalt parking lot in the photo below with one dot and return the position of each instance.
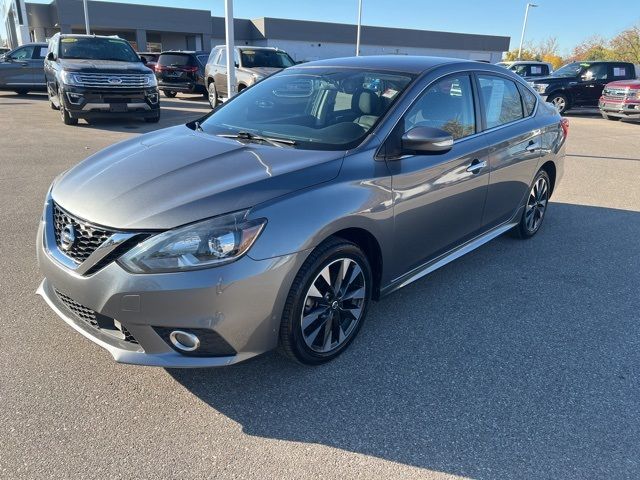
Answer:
(519, 360)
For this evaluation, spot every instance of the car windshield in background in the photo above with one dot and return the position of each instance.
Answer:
(175, 59)
(324, 109)
(90, 48)
(265, 58)
(570, 70)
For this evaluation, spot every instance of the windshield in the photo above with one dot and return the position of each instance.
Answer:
(571, 70)
(265, 58)
(96, 48)
(318, 108)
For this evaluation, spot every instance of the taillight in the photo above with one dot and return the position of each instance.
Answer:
(190, 69)
(564, 123)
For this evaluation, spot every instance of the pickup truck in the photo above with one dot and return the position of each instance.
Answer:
(580, 84)
(621, 100)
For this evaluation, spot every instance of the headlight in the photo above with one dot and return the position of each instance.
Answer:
(541, 87)
(150, 80)
(70, 78)
(200, 245)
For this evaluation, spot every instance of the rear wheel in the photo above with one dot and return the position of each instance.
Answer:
(327, 303)
(212, 95)
(169, 93)
(560, 101)
(21, 91)
(535, 207)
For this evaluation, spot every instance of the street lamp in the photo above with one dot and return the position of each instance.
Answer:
(231, 51)
(524, 27)
(86, 16)
(359, 26)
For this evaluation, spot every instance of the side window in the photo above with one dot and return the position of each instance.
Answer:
(501, 100)
(212, 55)
(520, 70)
(24, 53)
(528, 100)
(446, 104)
(42, 52)
(620, 71)
(596, 72)
(222, 59)
(536, 70)
(545, 70)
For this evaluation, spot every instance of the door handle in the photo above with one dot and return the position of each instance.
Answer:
(532, 147)
(476, 166)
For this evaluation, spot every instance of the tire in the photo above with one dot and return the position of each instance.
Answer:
(169, 93)
(535, 207)
(332, 321)
(64, 114)
(154, 119)
(21, 91)
(613, 119)
(212, 95)
(560, 101)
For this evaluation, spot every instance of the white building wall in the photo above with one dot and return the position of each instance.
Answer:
(306, 51)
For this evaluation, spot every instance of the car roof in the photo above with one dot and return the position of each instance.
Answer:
(84, 35)
(186, 52)
(250, 47)
(41, 44)
(525, 62)
(400, 63)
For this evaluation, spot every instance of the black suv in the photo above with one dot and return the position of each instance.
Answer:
(90, 76)
(182, 71)
(580, 84)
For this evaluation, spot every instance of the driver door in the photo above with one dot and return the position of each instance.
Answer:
(592, 83)
(439, 198)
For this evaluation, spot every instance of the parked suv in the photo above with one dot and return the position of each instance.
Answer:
(620, 100)
(252, 65)
(149, 58)
(22, 69)
(580, 84)
(528, 69)
(90, 76)
(275, 219)
(181, 71)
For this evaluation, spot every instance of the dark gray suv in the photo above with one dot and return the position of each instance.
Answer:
(274, 220)
(22, 69)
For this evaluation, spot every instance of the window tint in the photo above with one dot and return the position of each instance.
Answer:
(448, 105)
(202, 59)
(24, 53)
(175, 59)
(222, 59)
(501, 100)
(528, 100)
(97, 48)
(596, 72)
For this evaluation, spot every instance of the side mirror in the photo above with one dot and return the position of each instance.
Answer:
(236, 64)
(427, 140)
(143, 60)
(50, 56)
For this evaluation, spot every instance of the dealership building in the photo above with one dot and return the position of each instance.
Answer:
(153, 28)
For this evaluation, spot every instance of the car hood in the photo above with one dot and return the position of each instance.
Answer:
(264, 71)
(103, 66)
(176, 176)
(635, 84)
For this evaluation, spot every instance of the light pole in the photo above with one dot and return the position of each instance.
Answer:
(359, 26)
(86, 16)
(524, 27)
(229, 37)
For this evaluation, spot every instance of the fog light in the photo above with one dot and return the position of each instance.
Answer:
(185, 341)
(74, 98)
(153, 97)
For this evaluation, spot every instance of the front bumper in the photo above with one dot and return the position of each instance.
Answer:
(83, 102)
(241, 302)
(629, 110)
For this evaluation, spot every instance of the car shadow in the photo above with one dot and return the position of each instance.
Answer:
(583, 112)
(519, 360)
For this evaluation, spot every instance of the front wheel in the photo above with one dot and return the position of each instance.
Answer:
(535, 207)
(169, 93)
(64, 113)
(327, 303)
(560, 101)
(212, 95)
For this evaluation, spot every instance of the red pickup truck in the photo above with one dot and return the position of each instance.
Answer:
(621, 99)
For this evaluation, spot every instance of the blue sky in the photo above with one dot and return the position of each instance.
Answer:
(571, 21)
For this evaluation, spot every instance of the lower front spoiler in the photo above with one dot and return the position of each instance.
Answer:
(123, 353)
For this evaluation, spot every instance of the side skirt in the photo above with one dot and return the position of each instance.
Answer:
(448, 257)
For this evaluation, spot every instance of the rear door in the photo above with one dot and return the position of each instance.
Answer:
(37, 65)
(16, 70)
(439, 198)
(514, 141)
(220, 75)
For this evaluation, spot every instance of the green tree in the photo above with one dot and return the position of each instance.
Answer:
(626, 45)
(594, 48)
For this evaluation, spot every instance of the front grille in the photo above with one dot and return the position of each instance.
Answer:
(96, 320)
(615, 92)
(120, 80)
(88, 237)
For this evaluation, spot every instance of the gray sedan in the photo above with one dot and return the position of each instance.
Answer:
(276, 219)
(22, 69)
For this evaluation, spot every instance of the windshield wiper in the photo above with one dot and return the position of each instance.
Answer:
(258, 138)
